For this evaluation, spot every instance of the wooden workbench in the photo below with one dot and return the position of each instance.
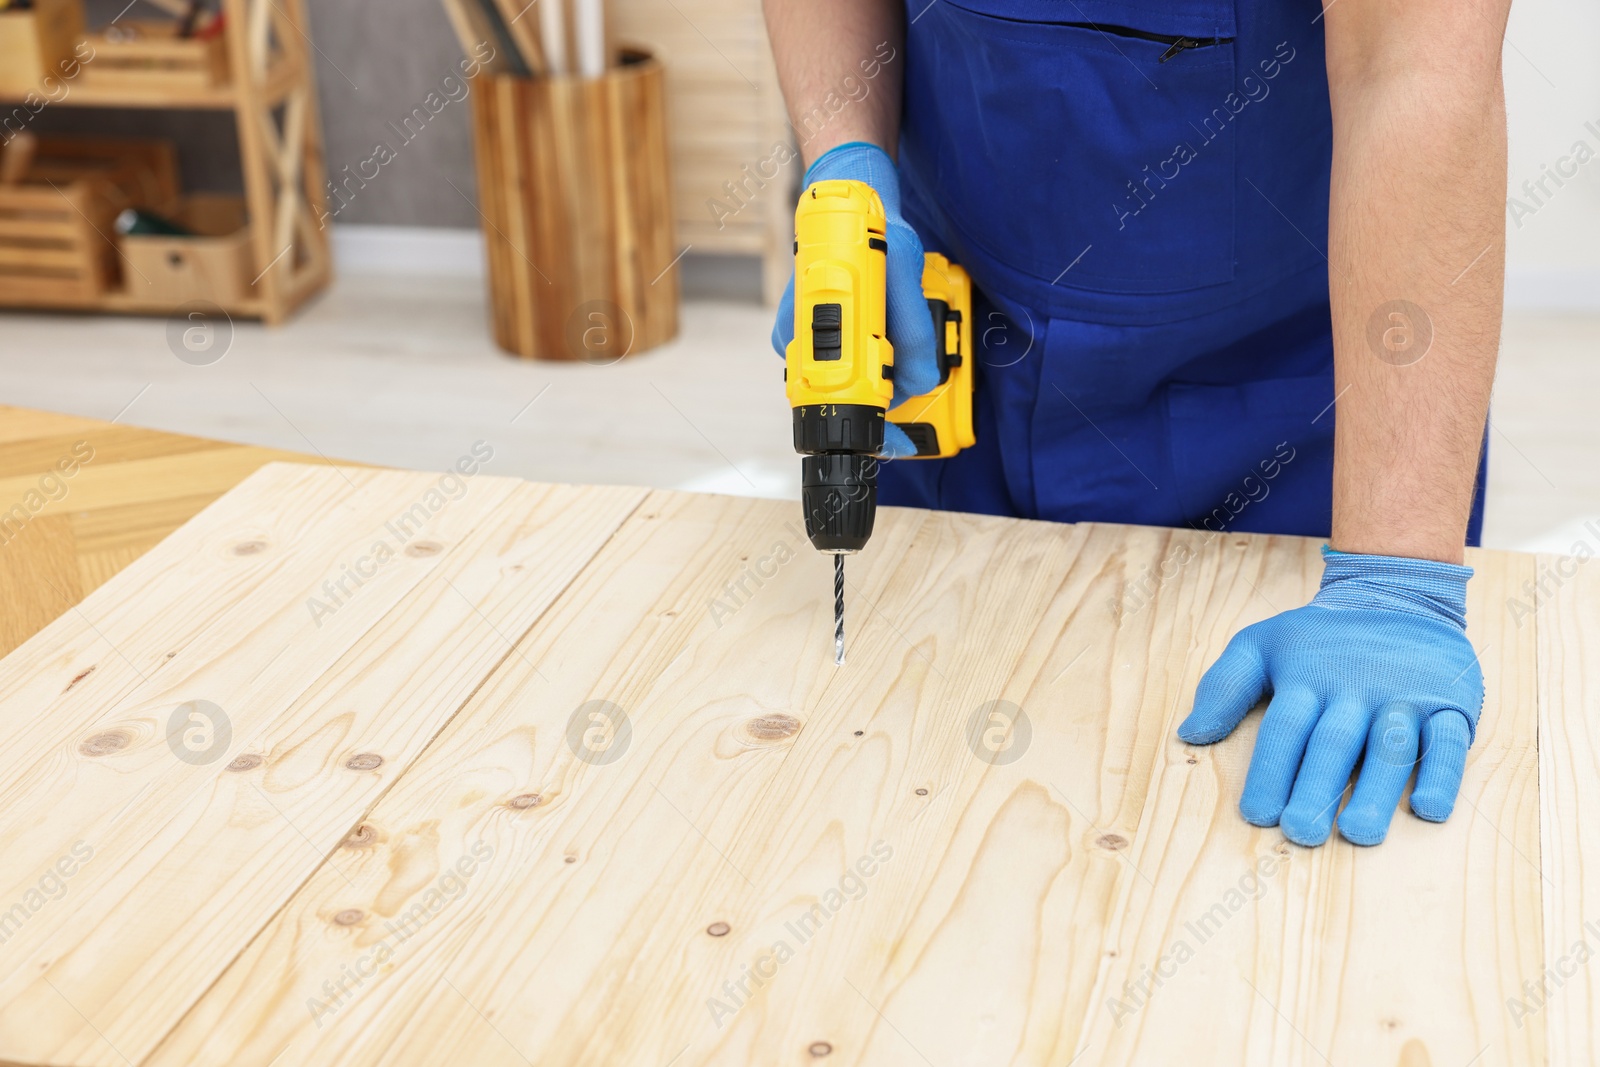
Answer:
(566, 775)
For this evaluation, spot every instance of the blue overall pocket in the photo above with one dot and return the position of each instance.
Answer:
(1082, 143)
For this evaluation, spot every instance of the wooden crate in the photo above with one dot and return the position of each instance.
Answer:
(143, 172)
(57, 226)
(141, 57)
(37, 42)
(55, 247)
(573, 185)
(215, 266)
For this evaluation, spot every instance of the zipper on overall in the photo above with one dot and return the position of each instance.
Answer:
(1175, 45)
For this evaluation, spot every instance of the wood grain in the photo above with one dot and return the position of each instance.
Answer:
(326, 710)
(1016, 897)
(949, 885)
(106, 494)
(575, 192)
(1560, 994)
(616, 837)
(1301, 948)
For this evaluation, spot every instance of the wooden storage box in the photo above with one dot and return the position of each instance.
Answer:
(38, 42)
(577, 207)
(55, 249)
(143, 57)
(213, 266)
(143, 172)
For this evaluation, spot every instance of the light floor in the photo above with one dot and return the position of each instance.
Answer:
(401, 371)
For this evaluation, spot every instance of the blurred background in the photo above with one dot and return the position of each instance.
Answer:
(311, 227)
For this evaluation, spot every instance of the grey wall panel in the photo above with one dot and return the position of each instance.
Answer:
(394, 112)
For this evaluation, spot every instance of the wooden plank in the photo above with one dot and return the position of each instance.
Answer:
(994, 774)
(39, 573)
(1010, 917)
(41, 456)
(22, 424)
(588, 862)
(1563, 995)
(1334, 954)
(99, 485)
(1009, 899)
(326, 710)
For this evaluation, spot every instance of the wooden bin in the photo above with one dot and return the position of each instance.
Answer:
(212, 266)
(56, 225)
(141, 56)
(38, 42)
(577, 209)
(143, 171)
(54, 248)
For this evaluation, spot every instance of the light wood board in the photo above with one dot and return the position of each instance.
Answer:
(522, 881)
(1562, 992)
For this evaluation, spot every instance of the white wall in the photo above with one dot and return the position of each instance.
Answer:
(1552, 79)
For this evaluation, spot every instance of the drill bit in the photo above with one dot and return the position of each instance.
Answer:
(838, 609)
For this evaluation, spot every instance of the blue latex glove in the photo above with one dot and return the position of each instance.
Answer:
(1379, 660)
(910, 324)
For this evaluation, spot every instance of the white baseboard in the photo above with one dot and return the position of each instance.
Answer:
(365, 249)
(435, 250)
(1553, 289)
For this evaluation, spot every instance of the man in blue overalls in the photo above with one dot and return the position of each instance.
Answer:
(1203, 234)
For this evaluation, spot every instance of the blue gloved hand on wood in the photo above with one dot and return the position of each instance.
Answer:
(1378, 662)
(910, 324)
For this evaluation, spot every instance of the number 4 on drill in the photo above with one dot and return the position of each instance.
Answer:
(839, 369)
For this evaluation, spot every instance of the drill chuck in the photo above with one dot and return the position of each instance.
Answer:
(839, 444)
(839, 494)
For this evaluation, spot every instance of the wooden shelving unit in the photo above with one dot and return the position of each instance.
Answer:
(262, 72)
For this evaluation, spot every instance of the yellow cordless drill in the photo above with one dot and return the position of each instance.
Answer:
(839, 369)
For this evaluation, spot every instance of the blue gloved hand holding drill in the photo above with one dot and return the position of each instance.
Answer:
(910, 325)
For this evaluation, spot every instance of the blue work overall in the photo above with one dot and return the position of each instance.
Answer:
(1139, 191)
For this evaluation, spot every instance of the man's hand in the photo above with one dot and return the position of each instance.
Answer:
(1378, 661)
(910, 324)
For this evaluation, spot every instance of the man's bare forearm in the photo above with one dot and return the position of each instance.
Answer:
(839, 63)
(1416, 256)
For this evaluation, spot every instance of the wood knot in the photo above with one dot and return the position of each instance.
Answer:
(103, 744)
(349, 916)
(772, 727)
(569, 858)
(718, 929)
(860, 732)
(1191, 759)
(244, 761)
(424, 549)
(364, 761)
(81, 675)
(820, 1049)
(361, 837)
(525, 800)
(249, 548)
(922, 792)
(1114, 842)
